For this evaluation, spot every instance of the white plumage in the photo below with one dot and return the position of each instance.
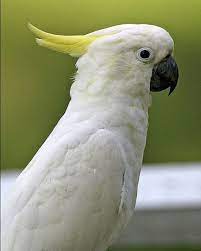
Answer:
(79, 190)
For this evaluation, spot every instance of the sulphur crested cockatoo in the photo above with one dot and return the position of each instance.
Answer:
(79, 190)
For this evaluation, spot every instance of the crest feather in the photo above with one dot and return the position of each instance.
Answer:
(72, 45)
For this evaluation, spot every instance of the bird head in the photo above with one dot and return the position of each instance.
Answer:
(138, 51)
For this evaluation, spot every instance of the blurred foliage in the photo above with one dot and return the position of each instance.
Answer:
(36, 81)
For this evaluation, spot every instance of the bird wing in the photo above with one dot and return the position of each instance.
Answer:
(71, 182)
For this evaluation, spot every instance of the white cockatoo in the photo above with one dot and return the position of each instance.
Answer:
(79, 190)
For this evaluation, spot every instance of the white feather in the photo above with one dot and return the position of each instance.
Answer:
(79, 190)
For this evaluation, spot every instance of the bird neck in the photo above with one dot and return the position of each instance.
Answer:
(117, 100)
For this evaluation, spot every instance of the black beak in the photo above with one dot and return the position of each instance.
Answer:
(164, 75)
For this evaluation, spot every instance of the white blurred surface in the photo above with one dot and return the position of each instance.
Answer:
(168, 209)
(160, 186)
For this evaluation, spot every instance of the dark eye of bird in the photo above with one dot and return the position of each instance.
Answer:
(144, 54)
(167, 56)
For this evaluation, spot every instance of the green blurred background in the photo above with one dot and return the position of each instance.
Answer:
(36, 81)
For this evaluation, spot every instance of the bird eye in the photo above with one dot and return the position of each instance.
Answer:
(144, 54)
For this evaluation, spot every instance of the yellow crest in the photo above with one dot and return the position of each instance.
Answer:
(72, 45)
